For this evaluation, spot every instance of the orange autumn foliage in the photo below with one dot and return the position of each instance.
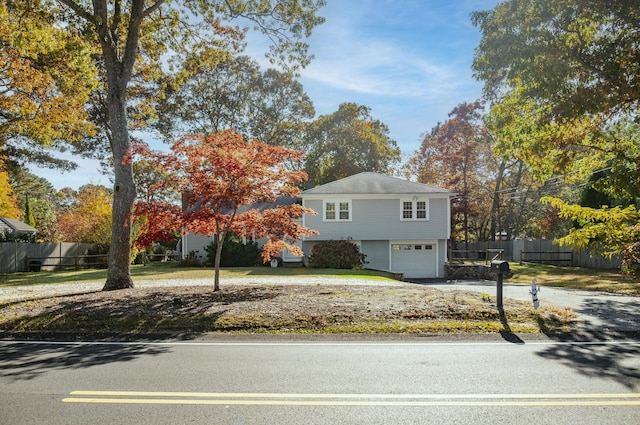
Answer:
(222, 177)
(88, 219)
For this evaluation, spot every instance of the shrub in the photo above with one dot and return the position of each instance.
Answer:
(192, 259)
(342, 254)
(98, 256)
(235, 253)
(631, 260)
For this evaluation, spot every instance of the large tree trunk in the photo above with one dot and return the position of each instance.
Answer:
(124, 194)
(119, 60)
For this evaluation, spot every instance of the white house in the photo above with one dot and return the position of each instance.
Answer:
(402, 226)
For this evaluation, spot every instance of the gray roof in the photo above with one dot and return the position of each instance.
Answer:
(262, 206)
(374, 183)
(13, 226)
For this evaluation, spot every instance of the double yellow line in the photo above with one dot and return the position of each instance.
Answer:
(283, 399)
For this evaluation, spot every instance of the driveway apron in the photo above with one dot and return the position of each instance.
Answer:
(597, 311)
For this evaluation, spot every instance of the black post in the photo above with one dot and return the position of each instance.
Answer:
(499, 291)
(500, 268)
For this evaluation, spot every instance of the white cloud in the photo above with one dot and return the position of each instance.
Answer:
(383, 71)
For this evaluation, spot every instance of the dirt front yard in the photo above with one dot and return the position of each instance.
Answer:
(274, 308)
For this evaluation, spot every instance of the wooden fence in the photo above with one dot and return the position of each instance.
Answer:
(539, 251)
(22, 257)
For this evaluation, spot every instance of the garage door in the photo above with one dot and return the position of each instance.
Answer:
(416, 260)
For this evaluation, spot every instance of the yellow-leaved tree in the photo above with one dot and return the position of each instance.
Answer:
(88, 216)
(8, 202)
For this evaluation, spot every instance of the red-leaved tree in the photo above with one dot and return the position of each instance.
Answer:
(222, 178)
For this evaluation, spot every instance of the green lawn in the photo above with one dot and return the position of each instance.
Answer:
(171, 271)
(575, 277)
(568, 277)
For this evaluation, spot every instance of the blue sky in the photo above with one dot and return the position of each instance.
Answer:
(408, 60)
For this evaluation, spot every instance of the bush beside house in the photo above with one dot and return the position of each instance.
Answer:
(341, 254)
(235, 252)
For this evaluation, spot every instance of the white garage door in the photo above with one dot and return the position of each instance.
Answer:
(415, 260)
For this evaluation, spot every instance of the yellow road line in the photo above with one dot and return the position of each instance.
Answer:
(406, 403)
(347, 396)
(284, 399)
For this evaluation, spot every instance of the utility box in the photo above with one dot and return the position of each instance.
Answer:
(500, 267)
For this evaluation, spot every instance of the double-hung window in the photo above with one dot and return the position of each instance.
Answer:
(337, 210)
(407, 210)
(414, 209)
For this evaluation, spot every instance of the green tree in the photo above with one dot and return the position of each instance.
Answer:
(40, 194)
(516, 208)
(28, 213)
(46, 76)
(606, 230)
(236, 252)
(567, 88)
(136, 39)
(347, 142)
(270, 106)
(563, 76)
(578, 57)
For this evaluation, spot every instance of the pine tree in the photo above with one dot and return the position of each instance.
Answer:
(28, 213)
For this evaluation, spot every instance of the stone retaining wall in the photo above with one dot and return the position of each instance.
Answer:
(470, 272)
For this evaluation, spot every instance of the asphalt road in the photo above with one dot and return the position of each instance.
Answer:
(321, 380)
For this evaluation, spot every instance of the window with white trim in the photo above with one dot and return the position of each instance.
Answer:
(337, 211)
(329, 210)
(414, 209)
(407, 210)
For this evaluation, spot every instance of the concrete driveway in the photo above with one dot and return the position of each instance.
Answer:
(597, 311)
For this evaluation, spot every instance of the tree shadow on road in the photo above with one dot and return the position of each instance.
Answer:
(140, 316)
(591, 352)
(26, 360)
(622, 316)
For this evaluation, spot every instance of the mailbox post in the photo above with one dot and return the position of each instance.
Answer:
(500, 267)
